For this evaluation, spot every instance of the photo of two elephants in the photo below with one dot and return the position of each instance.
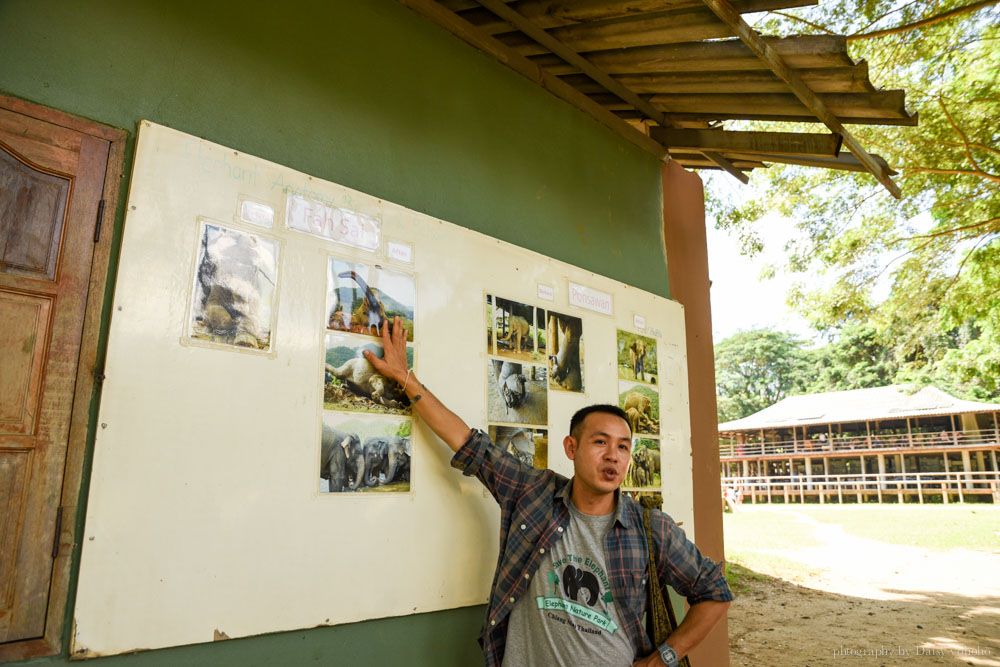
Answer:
(641, 404)
(644, 468)
(364, 454)
(235, 281)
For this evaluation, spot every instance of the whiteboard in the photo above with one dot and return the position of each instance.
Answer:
(205, 515)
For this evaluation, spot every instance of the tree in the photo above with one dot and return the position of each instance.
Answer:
(754, 369)
(938, 249)
(856, 359)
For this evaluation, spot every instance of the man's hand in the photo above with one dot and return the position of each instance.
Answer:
(393, 365)
(651, 660)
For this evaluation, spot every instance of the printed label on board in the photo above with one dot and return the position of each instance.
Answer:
(337, 224)
(591, 299)
(399, 251)
(546, 292)
(257, 214)
(640, 322)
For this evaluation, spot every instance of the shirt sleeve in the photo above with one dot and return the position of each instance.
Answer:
(682, 565)
(501, 473)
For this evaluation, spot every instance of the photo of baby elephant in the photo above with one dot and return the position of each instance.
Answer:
(644, 468)
(234, 287)
(529, 446)
(364, 454)
(637, 357)
(516, 392)
(360, 298)
(641, 404)
(352, 383)
(512, 331)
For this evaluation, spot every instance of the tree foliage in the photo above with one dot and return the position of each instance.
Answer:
(754, 369)
(935, 252)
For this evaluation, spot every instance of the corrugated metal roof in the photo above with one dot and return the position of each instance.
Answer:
(856, 405)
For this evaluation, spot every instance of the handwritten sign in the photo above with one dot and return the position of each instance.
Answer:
(639, 321)
(546, 292)
(257, 214)
(591, 299)
(333, 223)
(402, 252)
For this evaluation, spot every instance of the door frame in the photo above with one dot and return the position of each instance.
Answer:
(87, 382)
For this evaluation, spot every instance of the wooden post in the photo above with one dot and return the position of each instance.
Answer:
(840, 490)
(966, 469)
(920, 489)
(909, 433)
(868, 430)
(902, 478)
(954, 431)
(881, 475)
(947, 480)
(826, 478)
(861, 484)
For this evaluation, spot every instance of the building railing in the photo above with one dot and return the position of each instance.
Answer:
(874, 442)
(793, 487)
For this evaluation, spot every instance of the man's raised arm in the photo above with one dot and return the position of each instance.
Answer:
(446, 424)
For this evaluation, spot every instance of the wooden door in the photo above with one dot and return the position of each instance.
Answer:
(52, 181)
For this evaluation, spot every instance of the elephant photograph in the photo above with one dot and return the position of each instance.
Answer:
(364, 454)
(516, 393)
(637, 358)
(360, 298)
(351, 383)
(644, 468)
(514, 330)
(641, 404)
(235, 279)
(529, 446)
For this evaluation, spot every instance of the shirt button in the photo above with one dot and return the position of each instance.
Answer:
(493, 622)
(523, 526)
(512, 599)
(527, 576)
(560, 529)
(542, 550)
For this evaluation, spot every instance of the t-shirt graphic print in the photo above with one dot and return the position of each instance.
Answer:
(569, 615)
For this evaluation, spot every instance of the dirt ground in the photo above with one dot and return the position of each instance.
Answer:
(865, 602)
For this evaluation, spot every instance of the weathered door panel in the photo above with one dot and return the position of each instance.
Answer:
(51, 184)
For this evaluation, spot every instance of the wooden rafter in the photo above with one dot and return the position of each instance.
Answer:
(843, 162)
(749, 143)
(724, 10)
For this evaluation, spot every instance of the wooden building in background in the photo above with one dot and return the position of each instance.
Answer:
(886, 444)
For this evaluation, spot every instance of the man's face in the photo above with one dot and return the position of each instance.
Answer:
(601, 455)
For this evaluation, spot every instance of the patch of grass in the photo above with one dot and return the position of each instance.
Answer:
(767, 530)
(939, 527)
(739, 578)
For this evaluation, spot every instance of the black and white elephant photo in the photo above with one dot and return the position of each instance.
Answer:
(234, 289)
(527, 445)
(365, 454)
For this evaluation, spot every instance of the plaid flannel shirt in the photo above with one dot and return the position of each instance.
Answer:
(533, 516)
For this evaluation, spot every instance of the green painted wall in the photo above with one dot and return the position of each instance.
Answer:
(370, 95)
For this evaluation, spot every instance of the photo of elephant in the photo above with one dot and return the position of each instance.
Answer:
(359, 298)
(236, 274)
(650, 499)
(365, 454)
(564, 334)
(644, 468)
(516, 393)
(351, 383)
(641, 404)
(637, 358)
(529, 446)
(512, 330)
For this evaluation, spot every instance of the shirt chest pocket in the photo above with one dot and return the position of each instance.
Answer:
(526, 529)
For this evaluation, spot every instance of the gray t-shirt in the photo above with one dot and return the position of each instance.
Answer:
(569, 616)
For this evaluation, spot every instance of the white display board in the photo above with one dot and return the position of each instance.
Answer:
(206, 514)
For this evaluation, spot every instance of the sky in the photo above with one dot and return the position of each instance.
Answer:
(740, 299)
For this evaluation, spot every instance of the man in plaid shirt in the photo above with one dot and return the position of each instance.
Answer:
(580, 532)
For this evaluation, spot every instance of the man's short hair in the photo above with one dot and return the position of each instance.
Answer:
(577, 421)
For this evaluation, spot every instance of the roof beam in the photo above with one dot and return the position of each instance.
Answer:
(724, 10)
(843, 162)
(785, 143)
(469, 33)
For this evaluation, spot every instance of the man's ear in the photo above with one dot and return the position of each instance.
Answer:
(570, 444)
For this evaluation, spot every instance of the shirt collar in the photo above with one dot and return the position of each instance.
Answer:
(566, 493)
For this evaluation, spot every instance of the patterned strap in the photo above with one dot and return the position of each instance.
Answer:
(662, 614)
